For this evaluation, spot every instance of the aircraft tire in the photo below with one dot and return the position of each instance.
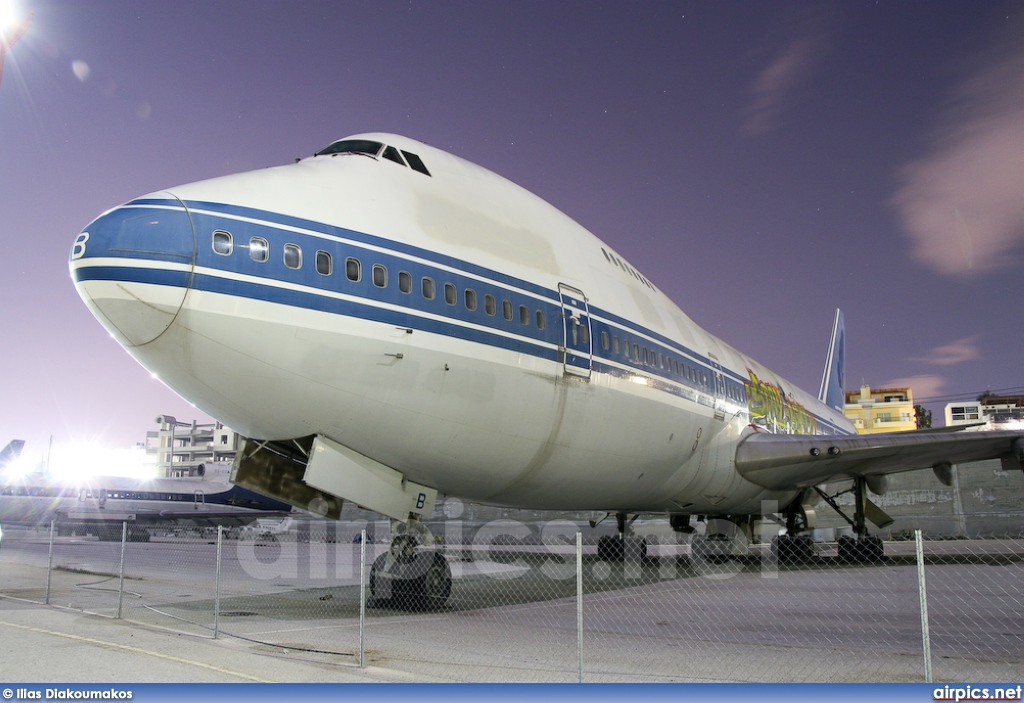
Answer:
(410, 586)
(380, 592)
(431, 590)
(610, 548)
(864, 550)
(793, 549)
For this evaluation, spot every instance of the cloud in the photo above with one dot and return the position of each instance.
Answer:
(953, 353)
(962, 204)
(922, 387)
(81, 70)
(784, 73)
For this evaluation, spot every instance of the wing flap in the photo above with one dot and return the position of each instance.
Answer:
(782, 462)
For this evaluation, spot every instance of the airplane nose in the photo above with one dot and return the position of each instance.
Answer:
(133, 266)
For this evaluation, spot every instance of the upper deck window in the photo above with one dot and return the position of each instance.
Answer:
(352, 146)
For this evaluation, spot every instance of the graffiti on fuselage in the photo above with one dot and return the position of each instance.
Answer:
(771, 408)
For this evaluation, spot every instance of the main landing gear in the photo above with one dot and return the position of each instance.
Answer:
(624, 546)
(862, 548)
(413, 574)
(795, 546)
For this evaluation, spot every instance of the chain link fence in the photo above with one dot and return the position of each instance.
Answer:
(533, 600)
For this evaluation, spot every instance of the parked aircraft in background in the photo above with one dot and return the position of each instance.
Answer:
(11, 452)
(99, 505)
(386, 320)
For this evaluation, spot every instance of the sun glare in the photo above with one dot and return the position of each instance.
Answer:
(8, 16)
(80, 462)
(19, 468)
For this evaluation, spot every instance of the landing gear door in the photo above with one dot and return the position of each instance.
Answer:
(576, 350)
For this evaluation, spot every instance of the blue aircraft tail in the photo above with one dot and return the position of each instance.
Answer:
(833, 380)
(12, 451)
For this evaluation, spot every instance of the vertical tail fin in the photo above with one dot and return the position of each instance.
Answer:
(833, 380)
(12, 451)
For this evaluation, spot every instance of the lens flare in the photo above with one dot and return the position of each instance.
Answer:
(9, 17)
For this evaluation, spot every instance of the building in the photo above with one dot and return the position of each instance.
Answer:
(180, 447)
(881, 410)
(983, 500)
(997, 412)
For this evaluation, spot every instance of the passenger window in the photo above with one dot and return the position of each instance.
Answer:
(604, 341)
(524, 314)
(540, 319)
(470, 296)
(259, 249)
(584, 334)
(380, 276)
(506, 309)
(428, 288)
(615, 344)
(324, 263)
(222, 242)
(353, 269)
(292, 256)
(490, 307)
(451, 295)
(405, 281)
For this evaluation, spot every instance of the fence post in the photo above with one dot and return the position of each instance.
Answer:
(120, 582)
(922, 595)
(579, 604)
(49, 562)
(362, 596)
(216, 597)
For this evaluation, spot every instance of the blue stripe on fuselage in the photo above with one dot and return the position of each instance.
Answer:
(397, 256)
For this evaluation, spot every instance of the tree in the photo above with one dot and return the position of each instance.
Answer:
(924, 416)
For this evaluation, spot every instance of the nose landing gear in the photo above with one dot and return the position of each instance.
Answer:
(413, 574)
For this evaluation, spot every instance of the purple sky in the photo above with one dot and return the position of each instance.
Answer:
(762, 163)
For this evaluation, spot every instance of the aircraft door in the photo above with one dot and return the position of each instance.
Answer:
(719, 387)
(577, 349)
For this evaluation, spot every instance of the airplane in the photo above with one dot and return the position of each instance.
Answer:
(384, 320)
(99, 505)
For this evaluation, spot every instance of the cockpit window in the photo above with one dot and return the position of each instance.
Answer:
(375, 150)
(416, 163)
(352, 146)
(391, 153)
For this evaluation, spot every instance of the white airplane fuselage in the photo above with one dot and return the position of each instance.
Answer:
(36, 499)
(544, 371)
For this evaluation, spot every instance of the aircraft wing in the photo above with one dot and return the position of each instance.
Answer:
(779, 461)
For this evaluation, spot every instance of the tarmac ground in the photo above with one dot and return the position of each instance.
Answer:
(289, 612)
